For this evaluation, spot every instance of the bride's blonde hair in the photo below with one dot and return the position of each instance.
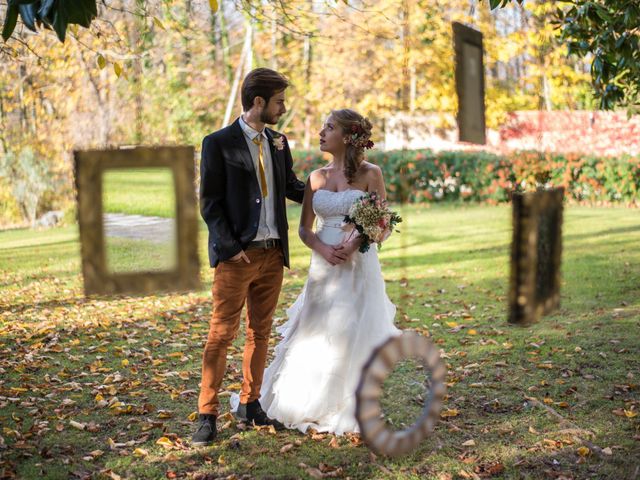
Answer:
(357, 130)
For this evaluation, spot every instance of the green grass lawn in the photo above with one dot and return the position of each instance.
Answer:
(128, 255)
(140, 191)
(89, 386)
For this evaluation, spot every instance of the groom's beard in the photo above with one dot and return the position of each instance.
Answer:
(269, 119)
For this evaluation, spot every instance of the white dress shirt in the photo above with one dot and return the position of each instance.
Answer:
(267, 227)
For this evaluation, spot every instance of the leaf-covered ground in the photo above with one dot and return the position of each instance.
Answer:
(107, 387)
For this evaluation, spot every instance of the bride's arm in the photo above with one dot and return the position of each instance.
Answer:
(307, 235)
(376, 182)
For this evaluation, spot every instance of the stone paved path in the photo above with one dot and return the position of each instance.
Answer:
(139, 227)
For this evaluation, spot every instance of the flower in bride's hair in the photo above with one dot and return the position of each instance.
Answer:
(359, 138)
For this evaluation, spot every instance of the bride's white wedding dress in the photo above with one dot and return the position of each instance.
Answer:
(340, 316)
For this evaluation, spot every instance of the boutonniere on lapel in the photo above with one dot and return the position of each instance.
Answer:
(278, 141)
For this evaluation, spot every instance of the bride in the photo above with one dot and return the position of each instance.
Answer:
(343, 311)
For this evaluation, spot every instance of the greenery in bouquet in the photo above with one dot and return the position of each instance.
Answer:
(371, 217)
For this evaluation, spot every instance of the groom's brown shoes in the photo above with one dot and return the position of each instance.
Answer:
(252, 413)
(206, 433)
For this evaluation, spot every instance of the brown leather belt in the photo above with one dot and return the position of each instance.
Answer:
(268, 243)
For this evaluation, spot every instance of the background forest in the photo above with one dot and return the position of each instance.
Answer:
(167, 72)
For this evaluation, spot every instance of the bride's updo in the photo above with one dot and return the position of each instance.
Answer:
(357, 131)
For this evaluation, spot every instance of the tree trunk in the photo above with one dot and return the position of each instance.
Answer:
(139, 41)
(224, 38)
(102, 95)
(274, 44)
(544, 89)
(214, 39)
(405, 37)
(249, 58)
(23, 107)
(308, 117)
(3, 129)
(236, 80)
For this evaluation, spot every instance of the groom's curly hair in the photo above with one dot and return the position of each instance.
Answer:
(261, 82)
(351, 121)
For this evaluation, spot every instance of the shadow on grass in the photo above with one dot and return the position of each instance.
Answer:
(253, 453)
(21, 259)
(599, 233)
(40, 245)
(64, 275)
(446, 257)
(506, 362)
(505, 249)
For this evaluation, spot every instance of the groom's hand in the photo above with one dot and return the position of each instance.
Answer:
(239, 256)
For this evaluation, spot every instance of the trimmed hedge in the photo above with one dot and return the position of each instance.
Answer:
(422, 175)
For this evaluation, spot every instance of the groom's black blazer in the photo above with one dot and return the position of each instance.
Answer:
(230, 198)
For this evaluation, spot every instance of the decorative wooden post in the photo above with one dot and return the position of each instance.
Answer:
(536, 252)
(469, 84)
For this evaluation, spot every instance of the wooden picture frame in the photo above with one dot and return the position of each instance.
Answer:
(536, 252)
(373, 428)
(470, 84)
(90, 166)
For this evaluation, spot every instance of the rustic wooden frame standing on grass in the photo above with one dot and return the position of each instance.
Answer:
(469, 74)
(89, 168)
(374, 429)
(535, 272)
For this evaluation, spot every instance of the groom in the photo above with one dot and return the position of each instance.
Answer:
(245, 175)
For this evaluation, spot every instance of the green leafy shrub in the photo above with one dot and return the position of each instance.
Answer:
(424, 176)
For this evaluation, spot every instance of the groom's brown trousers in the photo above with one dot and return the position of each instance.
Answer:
(258, 283)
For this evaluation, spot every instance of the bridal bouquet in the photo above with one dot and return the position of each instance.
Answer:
(371, 217)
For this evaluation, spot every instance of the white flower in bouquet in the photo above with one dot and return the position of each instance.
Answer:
(373, 219)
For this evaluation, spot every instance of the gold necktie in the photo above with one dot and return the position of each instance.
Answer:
(263, 179)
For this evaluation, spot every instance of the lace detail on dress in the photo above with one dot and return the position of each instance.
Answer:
(330, 204)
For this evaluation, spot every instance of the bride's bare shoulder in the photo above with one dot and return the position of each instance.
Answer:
(371, 169)
(318, 178)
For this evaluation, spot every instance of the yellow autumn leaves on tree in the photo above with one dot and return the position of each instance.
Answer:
(164, 74)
